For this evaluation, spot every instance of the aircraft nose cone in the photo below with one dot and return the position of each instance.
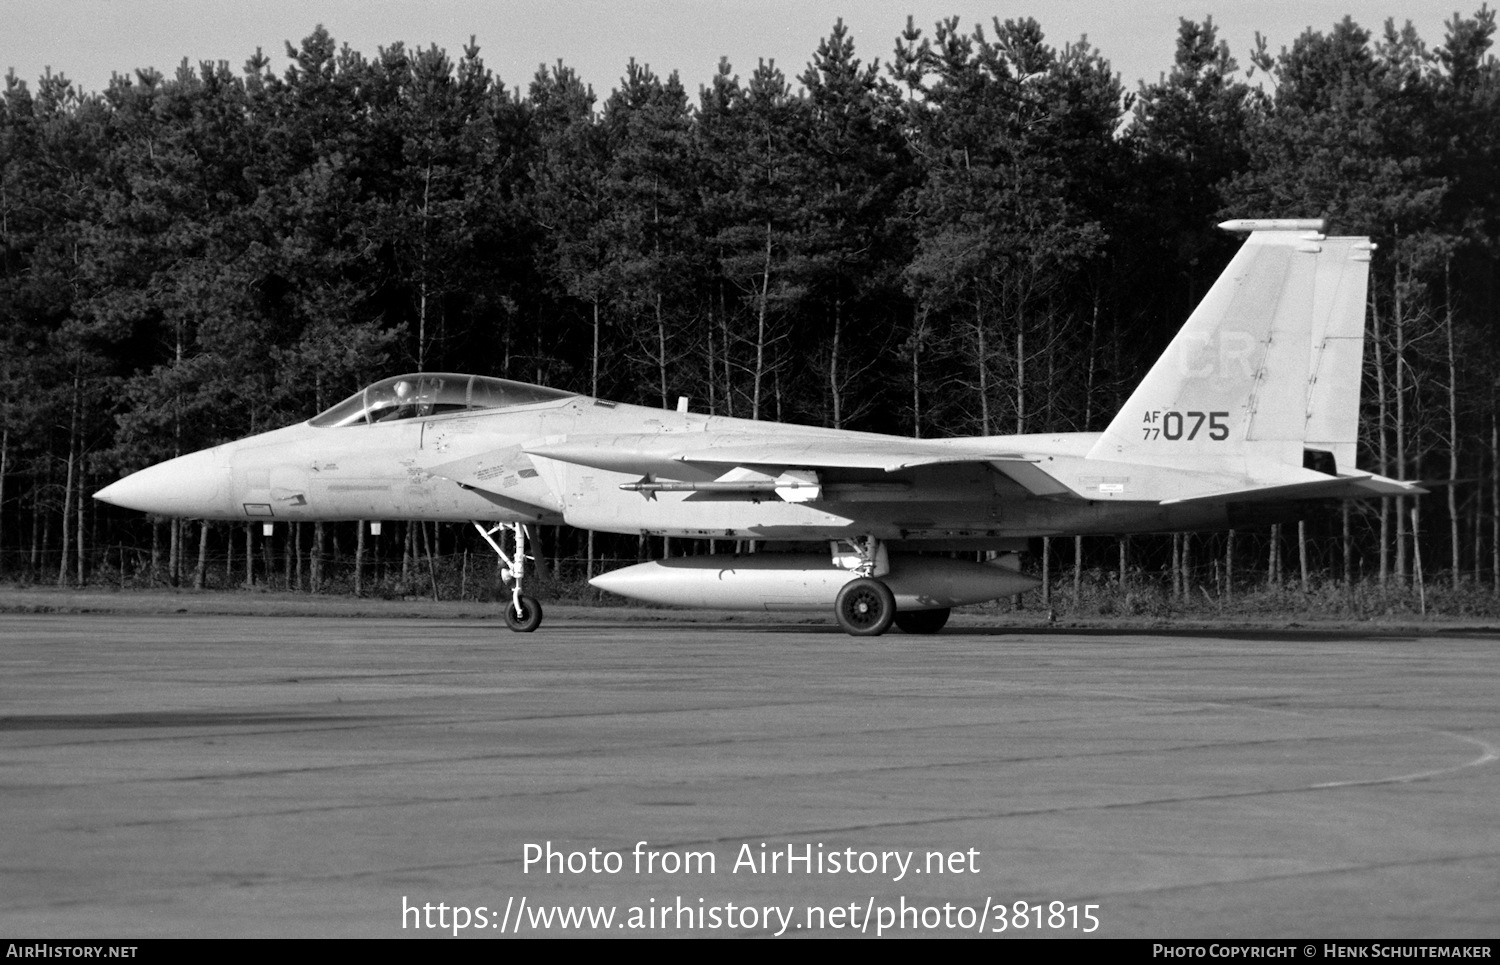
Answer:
(193, 485)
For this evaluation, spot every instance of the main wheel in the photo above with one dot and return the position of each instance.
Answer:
(865, 607)
(528, 619)
(922, 621)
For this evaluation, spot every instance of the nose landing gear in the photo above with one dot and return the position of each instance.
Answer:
(523, 614)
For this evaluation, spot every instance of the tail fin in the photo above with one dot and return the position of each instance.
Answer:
(1266, 369)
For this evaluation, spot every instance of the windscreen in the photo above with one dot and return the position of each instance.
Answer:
(431, 394)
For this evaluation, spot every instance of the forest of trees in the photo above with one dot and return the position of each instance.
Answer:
(979, 233)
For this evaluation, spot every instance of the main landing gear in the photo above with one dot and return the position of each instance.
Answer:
(923, 621)
(865, 606)
(523, 614)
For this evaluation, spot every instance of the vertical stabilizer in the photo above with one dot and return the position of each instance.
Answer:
(1268, 365)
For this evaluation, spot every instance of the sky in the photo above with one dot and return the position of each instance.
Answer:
(88, 40)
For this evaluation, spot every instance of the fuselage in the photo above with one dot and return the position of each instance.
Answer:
(488, 464)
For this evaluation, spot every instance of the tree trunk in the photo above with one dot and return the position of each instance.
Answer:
(1077, 569)
(200, 572)
(38, 520)
(421, 288)
(1476, 536)
(1020, 373)
(1088, 388)
(1382, 427)
(1229, 567)
(1302, 553)
(46, 537)
(1348, 548)
(713, 365)
(359, 558)
(315, 565)
(1416, 553)
(62, 569)
(1398, 322)
(1046, 571)
(1176, 567)
(82, 511)
(1187, 566)
(4, 470)
(174, 551)
(1452, 487)
(762, 310)
(726, 350)
(661, 352)
(916, 374)
(982, 359)
(431, 563)
(835, 396)
(594, 361)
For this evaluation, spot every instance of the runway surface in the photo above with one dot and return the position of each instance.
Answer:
(192, 775)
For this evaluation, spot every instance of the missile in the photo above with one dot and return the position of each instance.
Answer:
(806, 581)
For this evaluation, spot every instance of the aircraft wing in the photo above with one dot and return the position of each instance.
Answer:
(674, 457)
(662, 452)
(1021, 469)
(823, 455)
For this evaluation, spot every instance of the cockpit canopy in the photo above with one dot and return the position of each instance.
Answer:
(430, 394)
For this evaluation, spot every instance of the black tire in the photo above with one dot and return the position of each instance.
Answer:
(922, 621)
(528, 619)
(865, 607)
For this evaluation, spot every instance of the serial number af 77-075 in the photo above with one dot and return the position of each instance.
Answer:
(1174, 426)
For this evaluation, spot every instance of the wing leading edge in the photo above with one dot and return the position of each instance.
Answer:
(756, 459)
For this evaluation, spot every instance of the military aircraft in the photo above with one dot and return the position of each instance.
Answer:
(1249, 416)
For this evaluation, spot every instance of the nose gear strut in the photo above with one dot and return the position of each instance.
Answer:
(523, 614)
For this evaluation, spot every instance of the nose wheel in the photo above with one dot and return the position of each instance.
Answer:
(524, 614)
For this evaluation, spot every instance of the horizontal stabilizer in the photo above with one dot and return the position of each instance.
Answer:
(1246, 225)
(1351, 486)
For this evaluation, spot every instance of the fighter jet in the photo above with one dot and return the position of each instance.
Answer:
(1249, 416)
